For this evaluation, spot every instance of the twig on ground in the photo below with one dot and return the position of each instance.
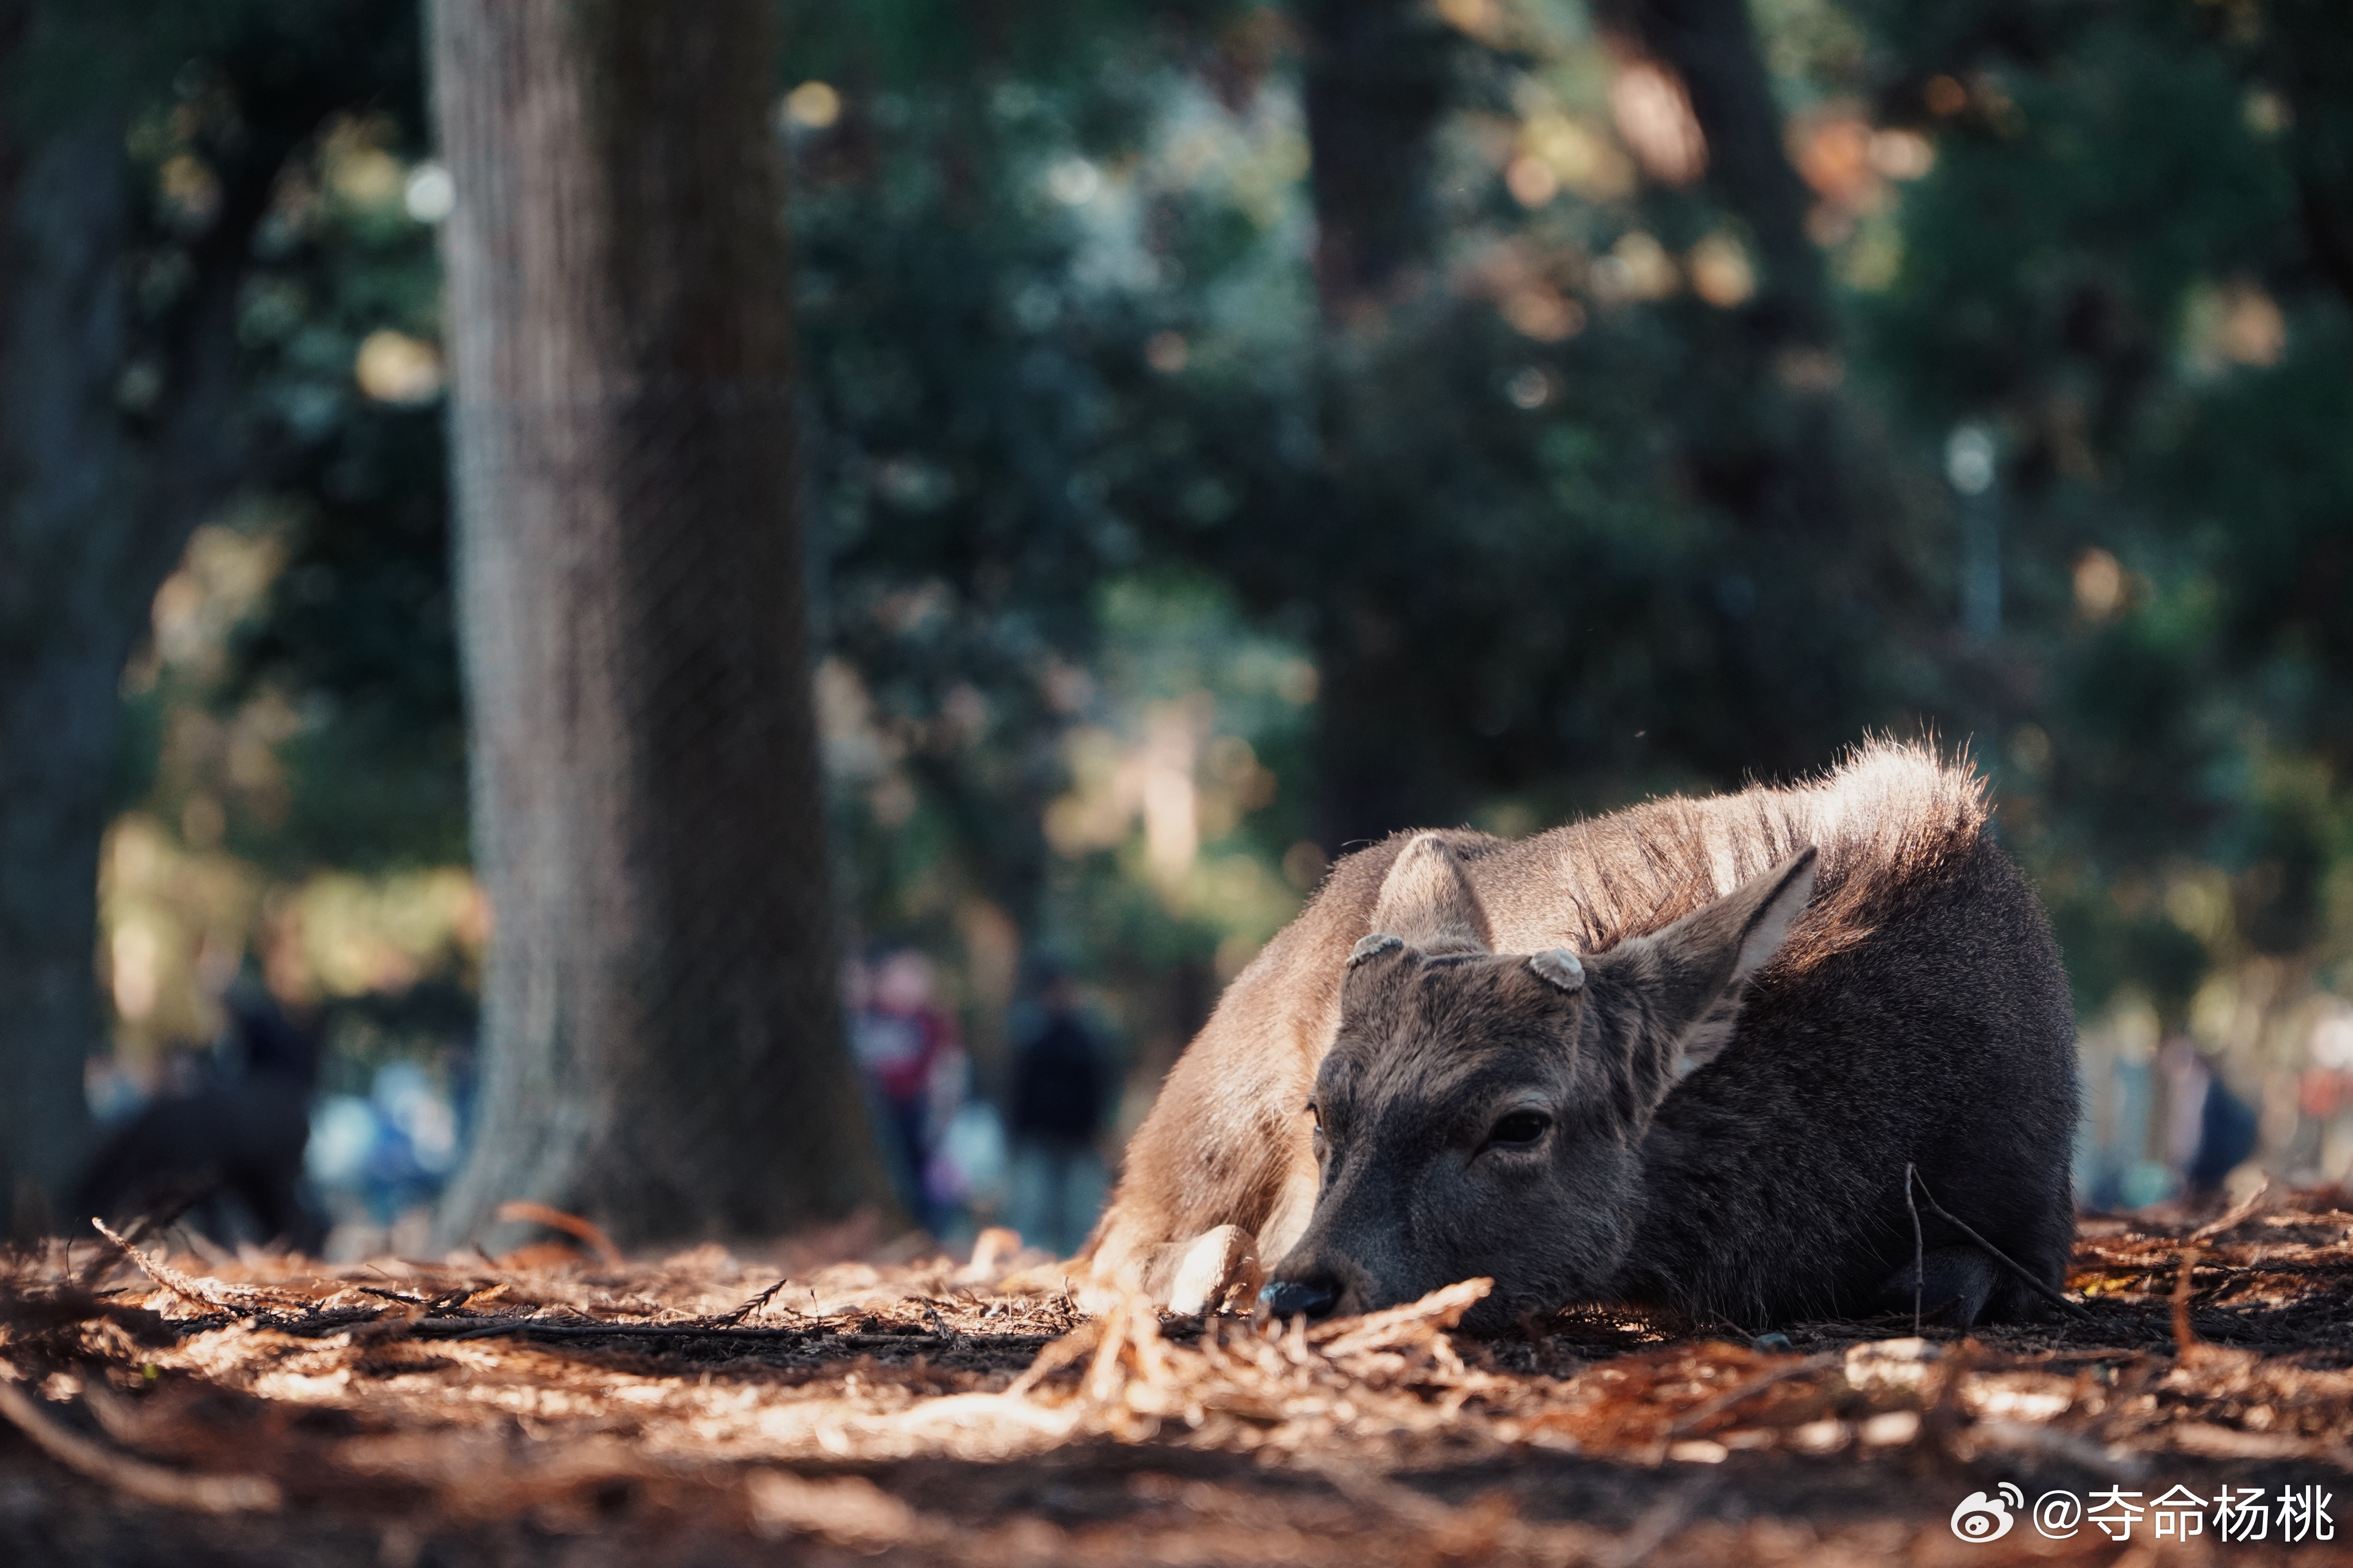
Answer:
(402, 1297)
(2185, 1334)
(533, 1327)
(571, 1225)
(136, 1478)
(1383, 1330)
(156, 1219)
(202, 1292)
(1690, 1422)
(1066, 1349)
(719, 1332)
(755, 1303)
(1912, 1179)
(1919, 1248)
(2255, 1203)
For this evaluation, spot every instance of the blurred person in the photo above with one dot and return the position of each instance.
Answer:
(2208, 1129)
(415, 1144)
(913, 1064)
(967, 1173)
(2317, 1151)
(1061, 1092)
(229, 1148)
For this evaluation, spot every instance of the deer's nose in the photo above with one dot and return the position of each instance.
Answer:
(1313, 1296)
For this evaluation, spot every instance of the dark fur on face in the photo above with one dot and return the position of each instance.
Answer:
(1483, 1115)
(1447, 1110)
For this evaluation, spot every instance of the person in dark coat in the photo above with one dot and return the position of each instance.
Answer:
(1060, 1095)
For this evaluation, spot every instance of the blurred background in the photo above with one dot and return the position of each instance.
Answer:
(1232, 431)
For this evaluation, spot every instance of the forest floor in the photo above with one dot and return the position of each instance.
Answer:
(560, 1410)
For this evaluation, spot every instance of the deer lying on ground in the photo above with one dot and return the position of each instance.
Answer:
(1683, 1056)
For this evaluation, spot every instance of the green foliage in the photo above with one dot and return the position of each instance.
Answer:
(354, 631)
(2115, 263)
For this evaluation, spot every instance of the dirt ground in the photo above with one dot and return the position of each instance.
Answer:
(717, 1409)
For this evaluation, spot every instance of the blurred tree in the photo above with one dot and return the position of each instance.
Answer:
(1770, 454)
(2125, 266)
(990, 451)
(1377, 78)
(60, 194)
(662, 1049)
(1709, 49)
(118, 432)
(1377, 75)
(1566, 638)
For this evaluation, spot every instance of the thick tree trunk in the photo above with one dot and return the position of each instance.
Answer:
(1712, 46)
(1375, 84)
(1777, 468)
(662, 1048)
(92, 517)
(63, 639)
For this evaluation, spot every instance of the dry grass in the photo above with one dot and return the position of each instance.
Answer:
(273, 1411)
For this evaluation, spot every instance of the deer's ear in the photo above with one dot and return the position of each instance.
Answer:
(1426, 900)
(1696, 972)
(1768, 907)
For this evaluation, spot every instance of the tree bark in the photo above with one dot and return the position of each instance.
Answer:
(63, 640)
(662, 1048)
(1375, 84)
(1712, 46)
(1778, 470)
(94, 514)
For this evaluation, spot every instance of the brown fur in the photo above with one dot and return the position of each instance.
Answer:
(1227, 1142)
(1887, 823)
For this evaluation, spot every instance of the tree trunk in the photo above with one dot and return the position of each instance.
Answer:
(93, 516)
(1778, 468)
(1712, 46)
(63, 640)
(1375, 84)
(1375, 87)
(662, 1032)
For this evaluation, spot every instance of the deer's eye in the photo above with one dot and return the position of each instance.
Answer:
(1518, 1130)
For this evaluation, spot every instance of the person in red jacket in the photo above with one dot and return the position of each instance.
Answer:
(912, 1060)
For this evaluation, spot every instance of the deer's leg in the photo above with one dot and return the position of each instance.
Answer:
(1220, 1273)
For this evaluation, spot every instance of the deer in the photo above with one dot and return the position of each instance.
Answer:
(1785, 1054)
